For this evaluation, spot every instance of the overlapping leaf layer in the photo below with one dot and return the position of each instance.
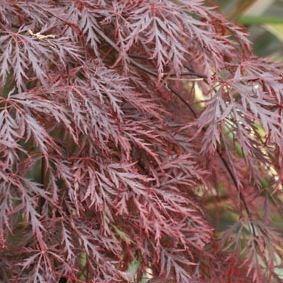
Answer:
(108, 156)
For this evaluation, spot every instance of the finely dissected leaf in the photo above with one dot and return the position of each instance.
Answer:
(31, 52)
(109, 170)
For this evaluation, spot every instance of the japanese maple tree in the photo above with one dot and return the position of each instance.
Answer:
(138, 139)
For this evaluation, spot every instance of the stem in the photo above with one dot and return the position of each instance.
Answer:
(43, 181)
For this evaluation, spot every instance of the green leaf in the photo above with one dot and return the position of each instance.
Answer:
(259, 20)
(276, 30)
(133, 269)
(123, 236)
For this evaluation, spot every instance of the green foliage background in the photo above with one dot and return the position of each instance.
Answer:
(264, 19)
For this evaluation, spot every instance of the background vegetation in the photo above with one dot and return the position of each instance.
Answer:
(264, 19)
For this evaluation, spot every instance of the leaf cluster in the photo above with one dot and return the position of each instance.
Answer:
(109, 170)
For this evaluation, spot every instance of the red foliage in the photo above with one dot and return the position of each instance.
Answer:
(107, 160)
